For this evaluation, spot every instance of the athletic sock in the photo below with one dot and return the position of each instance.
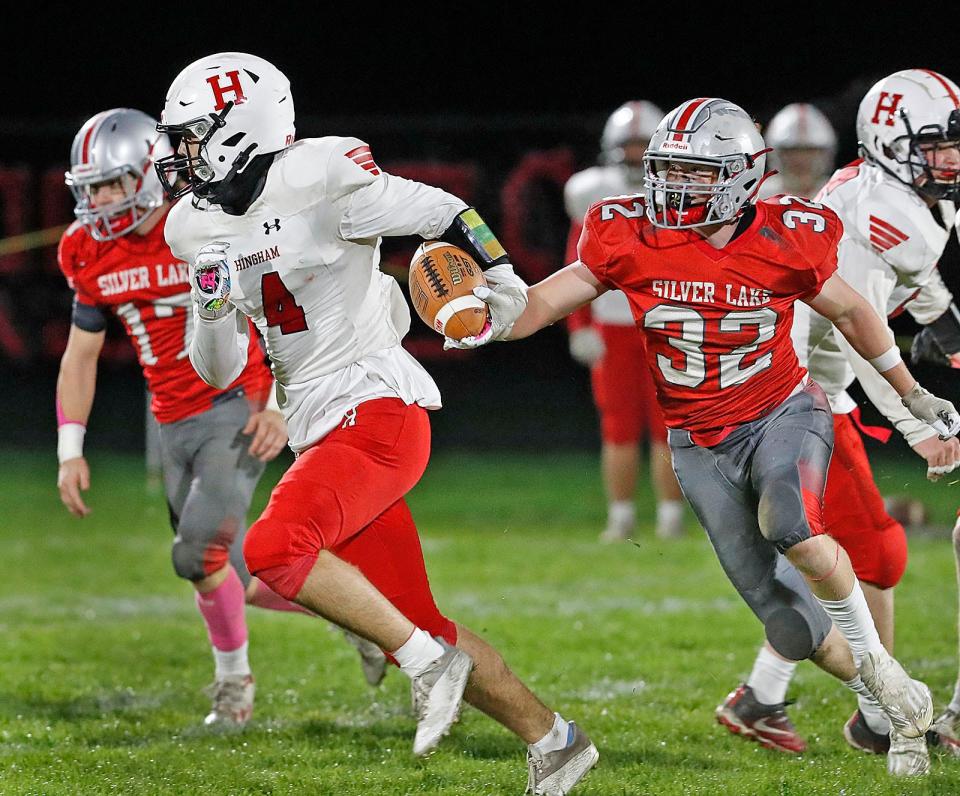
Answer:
(770, 677)
(223, 612)
(955, 702)
(265, 597)
(560, 736)
(852, 618)
(231, 663)
(874, 715)
(669, 517)
(417, 653)
(621, 514)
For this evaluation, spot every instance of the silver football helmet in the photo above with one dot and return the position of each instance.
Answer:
(636, 120)
(117, 145)
(705, 133)
(802, 129)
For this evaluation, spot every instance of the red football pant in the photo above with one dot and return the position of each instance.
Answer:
(854, 515)
(345, 495)
(623, 388)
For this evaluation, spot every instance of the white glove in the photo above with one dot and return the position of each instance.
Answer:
(935, 412)
(211, 281)
(586, 346)
(506, 299)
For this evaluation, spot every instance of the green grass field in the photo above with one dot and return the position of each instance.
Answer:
(103, 655)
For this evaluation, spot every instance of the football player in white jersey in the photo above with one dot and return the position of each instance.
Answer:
(604, 338)
(804, 149)
(897, 207)
(288, 234)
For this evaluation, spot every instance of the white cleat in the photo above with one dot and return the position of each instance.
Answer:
(437, 694)
(555, 773)
(617, 531)
(372, 660)
(232, 702)
(908, 757)
(907, 703)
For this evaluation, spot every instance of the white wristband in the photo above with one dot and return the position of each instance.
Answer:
(888, 359)
(70, 441)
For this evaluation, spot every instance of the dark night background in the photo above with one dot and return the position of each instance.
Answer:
(512, 96)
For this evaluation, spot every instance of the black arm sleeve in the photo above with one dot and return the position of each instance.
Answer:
(471, 233)
(90, 319)
(946, 330)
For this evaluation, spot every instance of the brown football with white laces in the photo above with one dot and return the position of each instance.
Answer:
(442, 279)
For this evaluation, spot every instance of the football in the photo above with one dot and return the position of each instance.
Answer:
(442, 279)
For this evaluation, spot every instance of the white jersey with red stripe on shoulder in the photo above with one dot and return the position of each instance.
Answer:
(887, 228)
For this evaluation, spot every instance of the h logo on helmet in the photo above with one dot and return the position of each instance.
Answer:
(888, 103)
(233, 87)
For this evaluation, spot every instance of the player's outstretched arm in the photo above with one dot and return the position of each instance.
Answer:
(869, 336)
(76, 385)
(218, 351)
(556, 297)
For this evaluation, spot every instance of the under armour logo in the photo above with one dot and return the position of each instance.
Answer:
(350, 418)
(267, 226)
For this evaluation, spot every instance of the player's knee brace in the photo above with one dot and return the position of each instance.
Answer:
(791, 634)
(195, 560)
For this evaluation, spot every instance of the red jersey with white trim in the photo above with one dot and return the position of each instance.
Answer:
(138, 279)
(716, 321)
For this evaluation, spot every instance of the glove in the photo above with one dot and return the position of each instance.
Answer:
(925, 348)
(211, 281)
(935, 412)
(586, 346)
(506, 299)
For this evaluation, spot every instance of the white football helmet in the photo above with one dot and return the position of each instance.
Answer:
(232, 107)
(636, 120)
(123, 145)
(899, 114)
(705, 132)
(800, 125)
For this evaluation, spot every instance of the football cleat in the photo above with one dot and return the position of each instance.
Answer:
(906, 702)
(945, 732)
(768, 725)
(436, 696)
(232, 702)
(555, 773)
(372, 660)
(908, 757)
(860, 736)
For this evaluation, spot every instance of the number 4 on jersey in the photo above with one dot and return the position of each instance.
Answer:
(280, 307)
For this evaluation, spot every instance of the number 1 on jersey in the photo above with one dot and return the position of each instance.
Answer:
(280, 307)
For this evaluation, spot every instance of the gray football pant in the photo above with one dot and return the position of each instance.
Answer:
(209, 478)
(750, 493)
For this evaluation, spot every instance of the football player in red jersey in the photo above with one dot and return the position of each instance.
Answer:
(214, 443)
(712, 276)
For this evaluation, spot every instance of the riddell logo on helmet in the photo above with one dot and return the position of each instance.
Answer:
(233, 87)
(680, 146)
(888, 104)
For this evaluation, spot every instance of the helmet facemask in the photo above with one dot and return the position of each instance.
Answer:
(684, 204)
(912, 150)
(109, 221)
(189, 169)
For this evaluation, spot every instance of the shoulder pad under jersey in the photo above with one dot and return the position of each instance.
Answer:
(591, 185)
(184, 229)
(68, 250)
(322, 168)
(891, 220)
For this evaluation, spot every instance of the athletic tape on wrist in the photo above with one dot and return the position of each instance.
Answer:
(888, 359)
(70, 441)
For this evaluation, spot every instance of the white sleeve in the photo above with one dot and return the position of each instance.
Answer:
(875, 290)
(393, 205)
(218, 350)
(931, 302)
